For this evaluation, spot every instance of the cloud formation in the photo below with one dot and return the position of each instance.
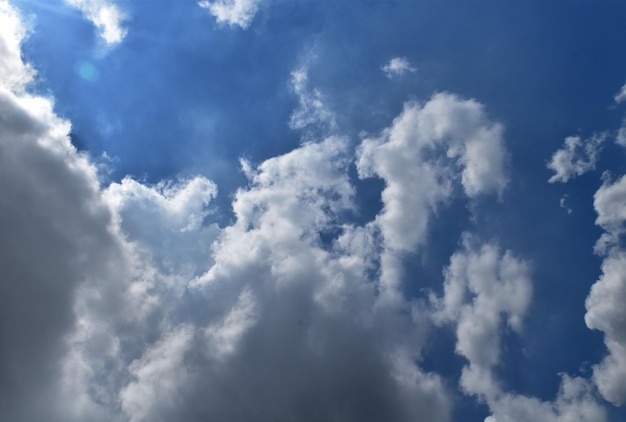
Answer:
(56, 233)
(487, 292)
(232, 12)
(576, 157)
(106, 16)
(397, 66)
(127, 303)
(605, 303)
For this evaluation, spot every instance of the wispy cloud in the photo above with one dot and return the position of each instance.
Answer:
(577, 157)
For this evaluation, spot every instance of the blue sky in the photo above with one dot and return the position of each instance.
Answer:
(274, 210)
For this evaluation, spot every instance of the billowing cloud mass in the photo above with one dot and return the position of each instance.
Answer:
(56, 233)
(126, 301)
(232, 12)
(576, 157)
(124, 304)
(397, 66)
(105, 15)
(605, 303)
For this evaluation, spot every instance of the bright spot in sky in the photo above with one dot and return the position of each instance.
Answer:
(87, 71)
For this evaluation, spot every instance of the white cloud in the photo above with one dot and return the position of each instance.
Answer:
(576, 157)
(609, 205)
(232, 12)
(421, 155)
(483, 288)
(106, 16)
(256, 320)
(167, 220)
(605, 303)
(397, 67)
(286, 325)
(126, 304)
(562, 204)
(14, 74)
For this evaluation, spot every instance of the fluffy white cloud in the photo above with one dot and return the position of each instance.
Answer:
(167, 220)
(605, 303)
(420, 157)
(285, 328)
(576, 157)
(484, 288)
(232, 12)
(106, 16)
(397, 66)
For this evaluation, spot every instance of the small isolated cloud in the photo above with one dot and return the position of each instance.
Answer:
(232, 12)
(563, 205)
(397, 67)
(106, 16)
(576, 157)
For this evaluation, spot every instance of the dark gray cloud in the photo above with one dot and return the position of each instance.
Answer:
(55, 233)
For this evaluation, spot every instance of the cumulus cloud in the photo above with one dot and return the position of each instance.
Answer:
(232, 12)
(56, 232)
(420, 157)
(605, 303)
(126, 303)
(576, 157)
(485, 289)
(279, 327)
(397, 66)
(106, 16)
(258, 320)
(167, 220)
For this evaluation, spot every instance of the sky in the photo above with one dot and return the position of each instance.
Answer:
(312, 210)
